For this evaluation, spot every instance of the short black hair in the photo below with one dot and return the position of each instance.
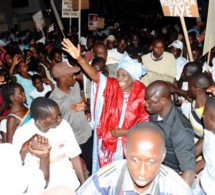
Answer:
(97, 60)
(8, 90)
(36, 76)
(158, 40)
(40, 107)
(54, 51)
(201, 80)
(193, 67)
(119, 39)
(146, 127)
(210, 103)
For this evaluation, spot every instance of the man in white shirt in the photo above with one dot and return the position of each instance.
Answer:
(118, 53)
(65, 164)
(176, 48)
(208, 174)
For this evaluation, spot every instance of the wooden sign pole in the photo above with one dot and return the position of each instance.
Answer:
(209, 53)
(57, 17)
(43, 32)
(186, 38)
(70, 25)
(79, 20)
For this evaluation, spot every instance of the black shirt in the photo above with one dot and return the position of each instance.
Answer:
(138, 51)
(179, 140)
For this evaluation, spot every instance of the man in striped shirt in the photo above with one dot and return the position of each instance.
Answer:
(142, 172)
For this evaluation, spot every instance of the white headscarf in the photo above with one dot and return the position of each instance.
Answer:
(133, 67)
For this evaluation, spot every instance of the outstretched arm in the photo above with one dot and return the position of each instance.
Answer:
(75, 53)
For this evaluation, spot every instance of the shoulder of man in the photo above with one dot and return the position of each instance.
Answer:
(168, 178)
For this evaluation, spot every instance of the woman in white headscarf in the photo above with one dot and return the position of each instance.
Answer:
(116, 105)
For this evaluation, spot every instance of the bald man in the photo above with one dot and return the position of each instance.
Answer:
(178, 132)
(189, 69)
(197, 90)
(142, 172)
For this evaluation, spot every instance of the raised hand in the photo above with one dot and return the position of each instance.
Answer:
(71, 49)
(211, 89)
(28, 59)
(16, 60)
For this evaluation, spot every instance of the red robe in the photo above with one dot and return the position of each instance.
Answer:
(112, 109)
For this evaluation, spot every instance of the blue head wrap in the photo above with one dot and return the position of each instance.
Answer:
(133, 67)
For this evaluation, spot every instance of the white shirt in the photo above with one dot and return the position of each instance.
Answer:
(208, 174)
(211, 69)
(180, 63)
(114, 56)
(12, 177)
(64, 146)
(34, 94)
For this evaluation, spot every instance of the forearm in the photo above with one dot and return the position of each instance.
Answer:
(23, 151)
(51, 85)
(76, 162)
(91, 72)
(199, 146)
(200, 165)
(10, 134)
(11, 71)
(44, 166)
(188, 176)
(2, 108)
(3, 117)
(181, 92)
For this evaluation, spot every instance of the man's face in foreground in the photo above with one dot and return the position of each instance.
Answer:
(145, 153)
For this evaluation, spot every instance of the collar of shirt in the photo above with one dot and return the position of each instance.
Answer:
(128, 186)
(168, 118)
(154, 58)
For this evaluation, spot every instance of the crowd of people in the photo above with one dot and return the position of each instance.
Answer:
(124, 112)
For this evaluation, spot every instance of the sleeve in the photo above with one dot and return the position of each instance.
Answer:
(89, 188)
(32, 94)
(72, 147)
(17, 78)
(184, 148)
(171, 66)
(48, 88)
(18, 139)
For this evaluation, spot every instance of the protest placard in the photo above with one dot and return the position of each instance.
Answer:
(185, 8)
(210, 29)
(66, 8)
(84, 4)
(92, 21)
(100, 22)
(39, 21)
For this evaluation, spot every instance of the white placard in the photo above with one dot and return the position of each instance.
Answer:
(39, 21)
(67, 11)
(210, 29)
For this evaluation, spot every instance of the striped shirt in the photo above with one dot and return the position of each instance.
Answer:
(105, 181)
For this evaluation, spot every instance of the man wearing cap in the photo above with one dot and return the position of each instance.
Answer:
(161, 65)
(110, 42)
(68, 96)
(115, 55)
(176, 48)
